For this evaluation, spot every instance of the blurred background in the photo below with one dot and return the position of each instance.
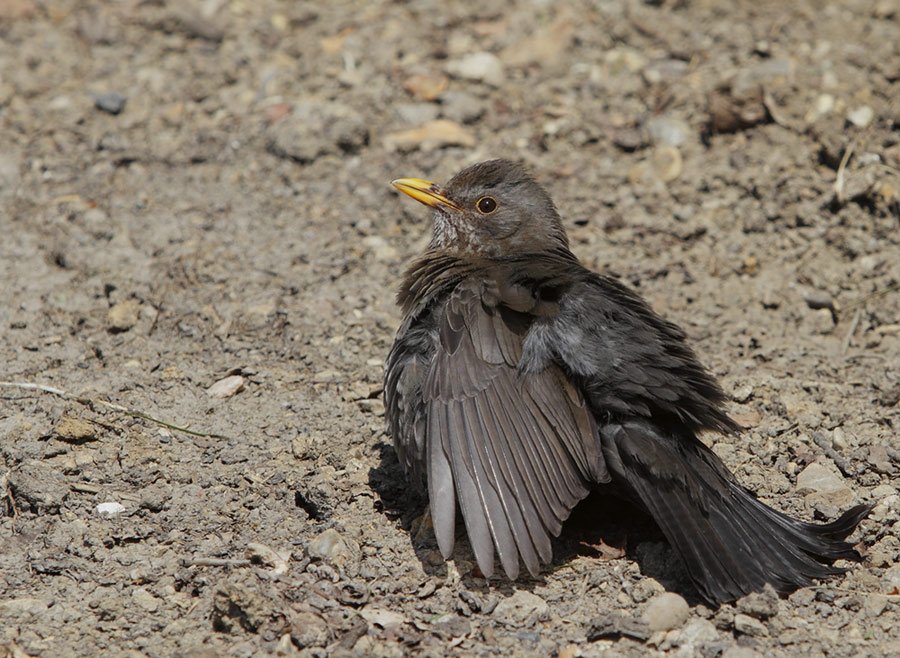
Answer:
(198, 226)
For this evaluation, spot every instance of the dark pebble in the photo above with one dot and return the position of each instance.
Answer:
(111, 103)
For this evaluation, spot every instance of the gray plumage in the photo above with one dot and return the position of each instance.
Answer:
(519, 381)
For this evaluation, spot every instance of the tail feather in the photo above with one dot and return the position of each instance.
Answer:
(731, 543)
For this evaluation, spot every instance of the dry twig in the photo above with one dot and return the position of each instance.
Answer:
(839, 179)
(91, 402)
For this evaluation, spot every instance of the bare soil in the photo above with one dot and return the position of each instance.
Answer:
(197, 191)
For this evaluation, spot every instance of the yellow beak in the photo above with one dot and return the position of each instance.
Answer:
(424, 191)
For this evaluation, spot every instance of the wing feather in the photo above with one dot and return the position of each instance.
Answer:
(519, 450)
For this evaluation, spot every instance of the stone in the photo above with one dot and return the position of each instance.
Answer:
(453, 626)
(666, 163)
(880, 460)
(416, 113)
(155, 497)
(75, 430)
(821, 477)
(482, 67)
(742, 393)
(197, 25)
(839, 439)
(111, 102)
(732, 109)
(665, 70)
(747, 625)
(823, 106)
(861, 117)
(426, 86)
(760, 605)
(522, 606)
(666, 611)
(697, 633)
(891, 579)
(380, 248)
(236, 606)
(430, 136)
(381, 617)
(111, 508)
(461, 107)
(373, 406)
(309, 630)
(622, 59)
(875, 604)
(123, 316)
(145, 599)
(667, 130)
(227, 387)
(328, 546)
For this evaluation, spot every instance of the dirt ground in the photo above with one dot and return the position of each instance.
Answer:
(198, 233)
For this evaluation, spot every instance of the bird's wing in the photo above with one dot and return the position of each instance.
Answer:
(516, 450)
(627, 360)
(405, 370)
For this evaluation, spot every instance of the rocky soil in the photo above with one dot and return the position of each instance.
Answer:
(198, 256)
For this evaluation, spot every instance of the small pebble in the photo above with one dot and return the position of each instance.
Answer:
(839, 439)
(520, 607)
(696, 633)
(109, 509)
(666, 611)
(123, 316)
(328, 545)
(824, 104)
(749, 626)
(822, 477)
(667, 131)
(309, 630)
(861, 117)
(75, 430)
(430, 136)
(461, 107)
(111, 103)
(317, 128)
(742, 393)
(818, 299)
(875, 604)
(482, 67)
(145, 599)
(416, 113)
(760, 605)
(380, 248)
(426, 86)
(227, 387)
(667, 163)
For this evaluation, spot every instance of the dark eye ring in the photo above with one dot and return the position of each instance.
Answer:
(486, 205)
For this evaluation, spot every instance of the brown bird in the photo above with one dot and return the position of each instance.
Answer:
(520, 380)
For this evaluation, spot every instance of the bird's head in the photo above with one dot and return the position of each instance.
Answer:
(490, 209)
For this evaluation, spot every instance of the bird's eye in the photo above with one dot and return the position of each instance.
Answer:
(486, 205)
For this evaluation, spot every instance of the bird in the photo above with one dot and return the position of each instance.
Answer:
(519, 381)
